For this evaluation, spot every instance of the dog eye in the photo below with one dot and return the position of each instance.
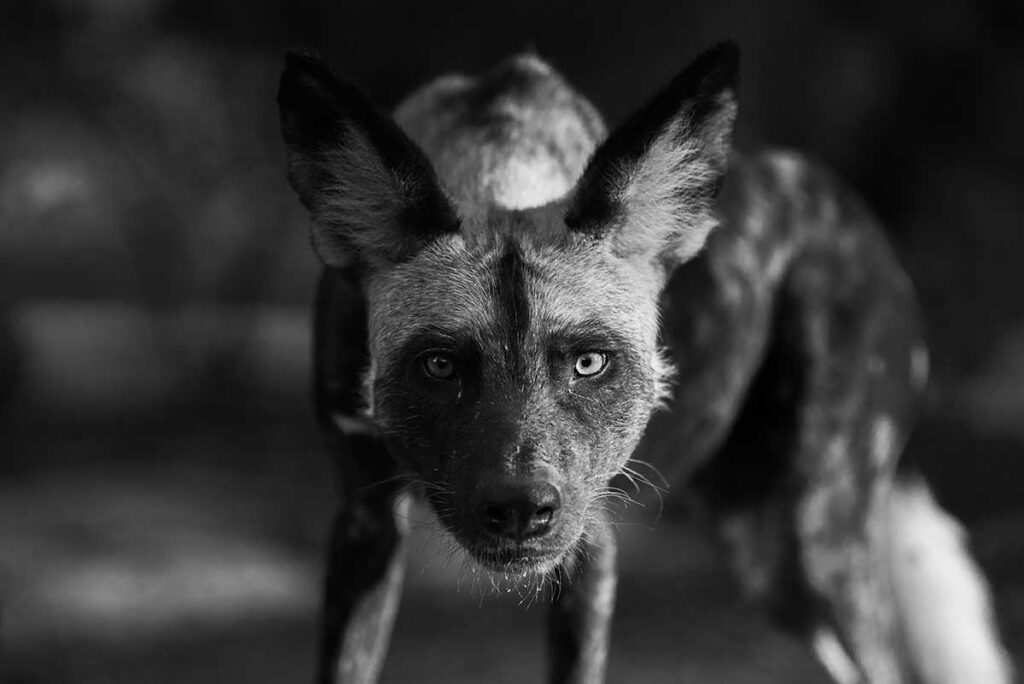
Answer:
(590, 363)
(439, 366)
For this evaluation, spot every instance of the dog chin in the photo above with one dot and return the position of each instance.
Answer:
(517, 561)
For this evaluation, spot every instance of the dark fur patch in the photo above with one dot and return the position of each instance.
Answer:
(340, 353)
(513, 306)
(752, 464)
(586, 336)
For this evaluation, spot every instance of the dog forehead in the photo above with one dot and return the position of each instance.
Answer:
(476, 291)
(583, 284)
(446, 286)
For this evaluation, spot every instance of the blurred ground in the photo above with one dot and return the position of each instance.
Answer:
(189, 552)
(163, 497)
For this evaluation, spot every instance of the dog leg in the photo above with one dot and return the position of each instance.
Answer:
(580, 620)
(798, 491)
(364, 575)
(817, 575)
(839, 530)
(942, 599)
(904, 596)
(364, 568)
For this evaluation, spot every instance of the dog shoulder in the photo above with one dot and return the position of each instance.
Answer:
(517, 136)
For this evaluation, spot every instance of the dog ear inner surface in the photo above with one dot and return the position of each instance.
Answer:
(650, 187)
(372, 193)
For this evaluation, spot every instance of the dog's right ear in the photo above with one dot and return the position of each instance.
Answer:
(372, 193)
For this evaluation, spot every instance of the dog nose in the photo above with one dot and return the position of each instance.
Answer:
(519, 511)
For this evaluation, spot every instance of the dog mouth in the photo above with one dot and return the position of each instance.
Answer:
(516, 559)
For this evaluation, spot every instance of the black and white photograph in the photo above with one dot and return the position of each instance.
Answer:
(350, 342)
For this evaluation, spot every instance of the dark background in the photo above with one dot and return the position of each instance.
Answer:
(163, 498)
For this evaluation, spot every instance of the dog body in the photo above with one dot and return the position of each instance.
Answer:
(515, 305)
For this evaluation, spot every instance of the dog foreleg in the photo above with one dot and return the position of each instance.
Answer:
(363, 584)
(580, 621)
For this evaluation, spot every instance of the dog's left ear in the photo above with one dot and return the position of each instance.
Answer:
(650, 187)
(372, 193)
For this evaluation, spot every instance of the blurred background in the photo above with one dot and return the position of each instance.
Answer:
(163, 495)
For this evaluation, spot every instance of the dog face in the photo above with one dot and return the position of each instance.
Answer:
(514, 358)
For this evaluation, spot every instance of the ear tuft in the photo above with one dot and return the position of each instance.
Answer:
(719, 68)
(372, 193)
(303, 98)
(650, 188)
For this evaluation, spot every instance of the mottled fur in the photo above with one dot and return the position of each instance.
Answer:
(500, 228)
(516, 138)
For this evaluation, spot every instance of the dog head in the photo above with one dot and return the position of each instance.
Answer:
(514, 347)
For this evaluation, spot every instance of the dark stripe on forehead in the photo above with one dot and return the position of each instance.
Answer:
(513, 306)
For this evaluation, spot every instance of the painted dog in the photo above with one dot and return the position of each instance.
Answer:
(515, 304)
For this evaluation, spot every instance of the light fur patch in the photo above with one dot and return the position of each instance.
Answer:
(834, 657)
(942, 599)
(527, 179)
(666, 208)
(883, 441)
(664, 378)
(354, 425)
(789, 168)
(446, 282)
(919, 367)
(547, 134)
